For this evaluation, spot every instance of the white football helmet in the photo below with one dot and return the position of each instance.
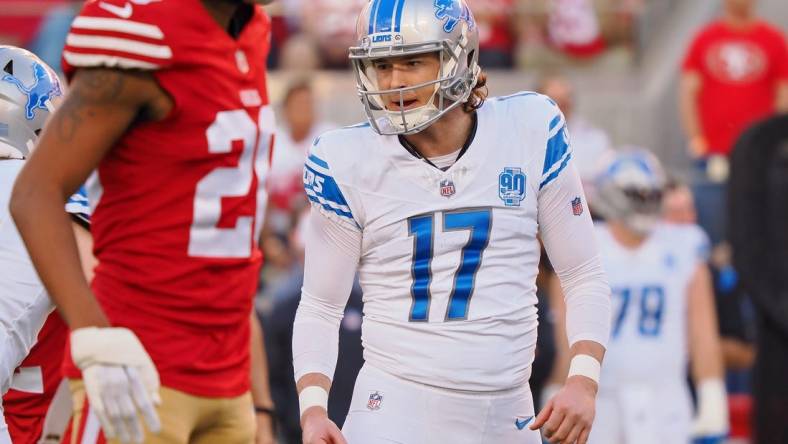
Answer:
(29, 92)
(392, 28)
(629, 189)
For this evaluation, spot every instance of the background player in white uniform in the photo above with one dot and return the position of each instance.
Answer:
(29, 92)
(437, 202)
(663, 315)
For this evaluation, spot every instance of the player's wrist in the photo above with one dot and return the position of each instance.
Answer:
(585, 366)
(313, 400)
(584, 383)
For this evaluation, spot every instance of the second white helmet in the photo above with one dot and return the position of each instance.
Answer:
(29, 92)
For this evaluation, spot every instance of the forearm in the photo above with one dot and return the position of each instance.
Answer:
(332, 255)
(569, 240)
(261, 390)
(47, 231)
(781, 104)
(688, 105)
(706, 357)
(99, 108)
(314, 379)
(562, 352)
(705, 346)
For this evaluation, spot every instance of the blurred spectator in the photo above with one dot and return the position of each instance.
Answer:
(758, 220)
(51, 35)
(574, 28)
(19, 20)
(734, 73)
(332, 24)
(496, 33)
(678, 205)
(299, 127)
(589, 143)
(278, 326)
(299, 53)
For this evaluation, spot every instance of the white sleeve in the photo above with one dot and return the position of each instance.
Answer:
(332, 254)
(568, 236)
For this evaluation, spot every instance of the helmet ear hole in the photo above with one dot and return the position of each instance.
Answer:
(9, 67)
(470, 57)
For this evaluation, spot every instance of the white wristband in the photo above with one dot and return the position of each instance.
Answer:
(312, 396)
(585, 365)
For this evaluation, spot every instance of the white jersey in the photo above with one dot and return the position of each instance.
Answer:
(648, 344)
(24, 303)
(449, 258)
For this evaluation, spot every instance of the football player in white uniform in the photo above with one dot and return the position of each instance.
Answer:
(437, 202)
(663, 315)
(29, 92)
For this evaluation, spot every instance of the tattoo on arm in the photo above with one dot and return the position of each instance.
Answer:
(93, 89)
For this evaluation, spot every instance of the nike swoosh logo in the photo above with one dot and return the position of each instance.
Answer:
(521, 423)
(124, 12)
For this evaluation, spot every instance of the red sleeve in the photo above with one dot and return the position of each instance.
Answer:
(117, 34)
(693, 59)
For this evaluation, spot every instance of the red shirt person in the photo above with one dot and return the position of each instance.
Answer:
(734, 73)
(168, 106)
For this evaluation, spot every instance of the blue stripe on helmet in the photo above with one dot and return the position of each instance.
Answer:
(385, 16)
(373, 12)
(398, 18)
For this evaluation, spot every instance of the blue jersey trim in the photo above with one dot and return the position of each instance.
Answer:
(557, 146)
(318, 161)
(555, 173)
(555, 122)
(323, 190)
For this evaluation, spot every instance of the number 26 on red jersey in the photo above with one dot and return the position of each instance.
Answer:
(206, 239)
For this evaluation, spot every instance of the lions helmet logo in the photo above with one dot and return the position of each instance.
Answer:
(39, 93)
(453, 11)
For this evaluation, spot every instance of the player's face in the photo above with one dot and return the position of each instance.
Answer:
(403, 72)
(740, 6)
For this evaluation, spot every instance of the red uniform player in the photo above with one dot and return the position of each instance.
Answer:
(35, 384)
(169, 105)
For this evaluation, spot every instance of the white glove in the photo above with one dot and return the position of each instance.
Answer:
(120, 380)
(711, 419)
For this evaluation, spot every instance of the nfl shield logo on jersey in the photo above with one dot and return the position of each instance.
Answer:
(511, 186)
(447, 188)
(577, 206)
(375, 399)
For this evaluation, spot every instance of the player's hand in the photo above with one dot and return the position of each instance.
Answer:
(567, 418)
(120, 380)
(698, 147)
(318, 429)
(265, 433)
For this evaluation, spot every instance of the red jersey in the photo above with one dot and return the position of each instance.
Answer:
(35, 382)
(179, 203)
(740, 70)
